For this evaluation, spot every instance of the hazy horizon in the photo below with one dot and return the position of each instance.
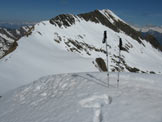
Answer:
(137, 12)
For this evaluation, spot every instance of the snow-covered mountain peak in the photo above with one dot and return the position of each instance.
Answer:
(73, 43)
(105, 16)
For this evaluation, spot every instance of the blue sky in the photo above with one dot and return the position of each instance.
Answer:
(140, 12)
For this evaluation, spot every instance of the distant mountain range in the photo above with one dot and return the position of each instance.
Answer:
(9, 25)
(149, 27)
(155, 31)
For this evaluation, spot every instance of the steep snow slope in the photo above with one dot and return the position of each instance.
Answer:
(71, 43)
(35, 57)
(84, 97)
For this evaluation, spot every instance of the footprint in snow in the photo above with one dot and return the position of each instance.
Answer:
(96, 102)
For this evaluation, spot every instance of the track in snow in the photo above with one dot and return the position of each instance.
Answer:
(83, 98)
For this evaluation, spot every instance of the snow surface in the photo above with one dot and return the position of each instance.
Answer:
(85, 97)
(39, 54)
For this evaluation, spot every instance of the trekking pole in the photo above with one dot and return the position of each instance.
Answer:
(105, 41)
(120, 47)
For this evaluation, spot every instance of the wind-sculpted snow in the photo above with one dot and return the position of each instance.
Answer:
(85, 97)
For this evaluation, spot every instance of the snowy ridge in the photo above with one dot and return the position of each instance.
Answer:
(108, 13)
(85, 97)
(8, 38)
(71, 43)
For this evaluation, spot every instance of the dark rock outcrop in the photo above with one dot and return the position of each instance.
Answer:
(101, 64)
